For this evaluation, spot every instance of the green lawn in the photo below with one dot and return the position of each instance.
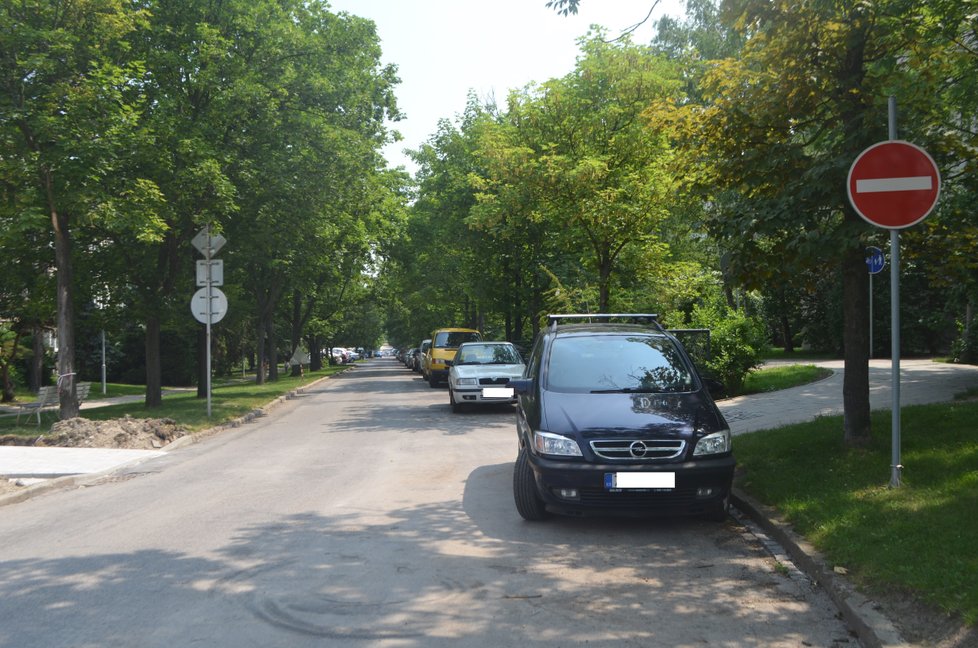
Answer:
(783, 377)
(919, 537)
(229, 400)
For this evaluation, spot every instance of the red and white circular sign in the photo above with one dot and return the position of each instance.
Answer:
(894, 184)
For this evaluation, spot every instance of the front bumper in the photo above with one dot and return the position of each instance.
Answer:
(477, 395)
(701, 487)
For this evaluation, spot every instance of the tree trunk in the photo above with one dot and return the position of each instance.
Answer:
(262, 362)
(315, 353)
(786, 335)
(855, 334)
(154, 371)
(67, 395)
(272, 351)
(855, 279)
(604, 285)
(35, 371)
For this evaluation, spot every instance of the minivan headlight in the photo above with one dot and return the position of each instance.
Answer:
(555, 444)
(716, 443)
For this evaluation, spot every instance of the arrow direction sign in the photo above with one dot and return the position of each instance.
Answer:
(208, 244)
(875, 260)
(894, 184)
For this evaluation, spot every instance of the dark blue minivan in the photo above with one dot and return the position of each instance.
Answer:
(613, 418)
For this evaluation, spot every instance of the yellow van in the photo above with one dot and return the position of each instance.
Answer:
(444, 344)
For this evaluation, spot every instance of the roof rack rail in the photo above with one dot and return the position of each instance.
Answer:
(635, 318)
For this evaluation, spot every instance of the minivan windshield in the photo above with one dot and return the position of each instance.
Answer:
(617, 364)
(452, 339)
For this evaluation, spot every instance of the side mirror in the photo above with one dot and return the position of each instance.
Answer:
(521, 385)
(715, 387)
(449, 363)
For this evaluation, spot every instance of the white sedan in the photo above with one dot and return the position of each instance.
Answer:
(481, 372)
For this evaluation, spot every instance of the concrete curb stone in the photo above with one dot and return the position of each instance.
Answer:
(872, 627)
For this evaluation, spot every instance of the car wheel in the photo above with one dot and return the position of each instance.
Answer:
(432, 380)
(529, 504)
(451, 399)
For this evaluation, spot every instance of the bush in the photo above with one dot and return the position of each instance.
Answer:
(736, 343)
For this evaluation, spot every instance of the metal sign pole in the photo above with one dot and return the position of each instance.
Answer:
(103, 363)
(209, 316)
(895, 466)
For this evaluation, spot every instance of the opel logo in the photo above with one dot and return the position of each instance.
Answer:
(638, 449)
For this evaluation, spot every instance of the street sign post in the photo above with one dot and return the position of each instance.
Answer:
(875, 261)
(209, 304)
(894, 185)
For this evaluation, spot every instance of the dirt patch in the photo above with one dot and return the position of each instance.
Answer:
(128, 432)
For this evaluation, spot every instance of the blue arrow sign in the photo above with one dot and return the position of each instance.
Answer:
(875, 260)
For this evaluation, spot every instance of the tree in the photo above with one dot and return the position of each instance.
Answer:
(778, 128)
(69, 96)
(599, 172)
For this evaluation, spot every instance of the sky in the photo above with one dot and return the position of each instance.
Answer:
(445, 48)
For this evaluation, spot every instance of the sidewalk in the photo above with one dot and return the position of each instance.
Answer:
(921, 382)
(29, 464)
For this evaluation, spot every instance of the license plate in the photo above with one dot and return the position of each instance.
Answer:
(497, 392)
(631, 480)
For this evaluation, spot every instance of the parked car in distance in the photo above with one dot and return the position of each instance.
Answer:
(408, 357)
(419, 357)
(614, 418)
(480, 373)
(444, 343)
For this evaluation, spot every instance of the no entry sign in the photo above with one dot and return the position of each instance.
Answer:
(894, 184)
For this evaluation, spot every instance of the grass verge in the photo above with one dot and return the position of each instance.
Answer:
(228, 401)
(783, 377)
(919, 537)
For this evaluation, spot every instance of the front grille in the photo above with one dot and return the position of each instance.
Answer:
(503, 380)
(638, 449)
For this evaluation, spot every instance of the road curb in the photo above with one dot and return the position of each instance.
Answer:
(861, 613)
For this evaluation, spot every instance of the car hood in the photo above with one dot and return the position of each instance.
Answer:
(656, 415)
(488, 370)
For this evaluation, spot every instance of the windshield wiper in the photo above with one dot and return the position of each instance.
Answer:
(626, 390)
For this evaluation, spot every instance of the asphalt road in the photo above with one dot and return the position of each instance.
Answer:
(365, 513)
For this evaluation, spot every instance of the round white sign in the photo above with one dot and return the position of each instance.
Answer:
(218, 305)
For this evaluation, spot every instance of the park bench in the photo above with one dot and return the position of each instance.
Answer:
(47, 397)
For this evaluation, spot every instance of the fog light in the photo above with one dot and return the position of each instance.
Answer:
(705, 492)
(567, 493)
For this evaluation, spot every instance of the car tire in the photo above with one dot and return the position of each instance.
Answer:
(451, 399)
(529, 504)
(432, 381)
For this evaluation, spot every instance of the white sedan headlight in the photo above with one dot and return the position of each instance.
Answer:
(716, 443)
(554, 444)
(466, 381)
